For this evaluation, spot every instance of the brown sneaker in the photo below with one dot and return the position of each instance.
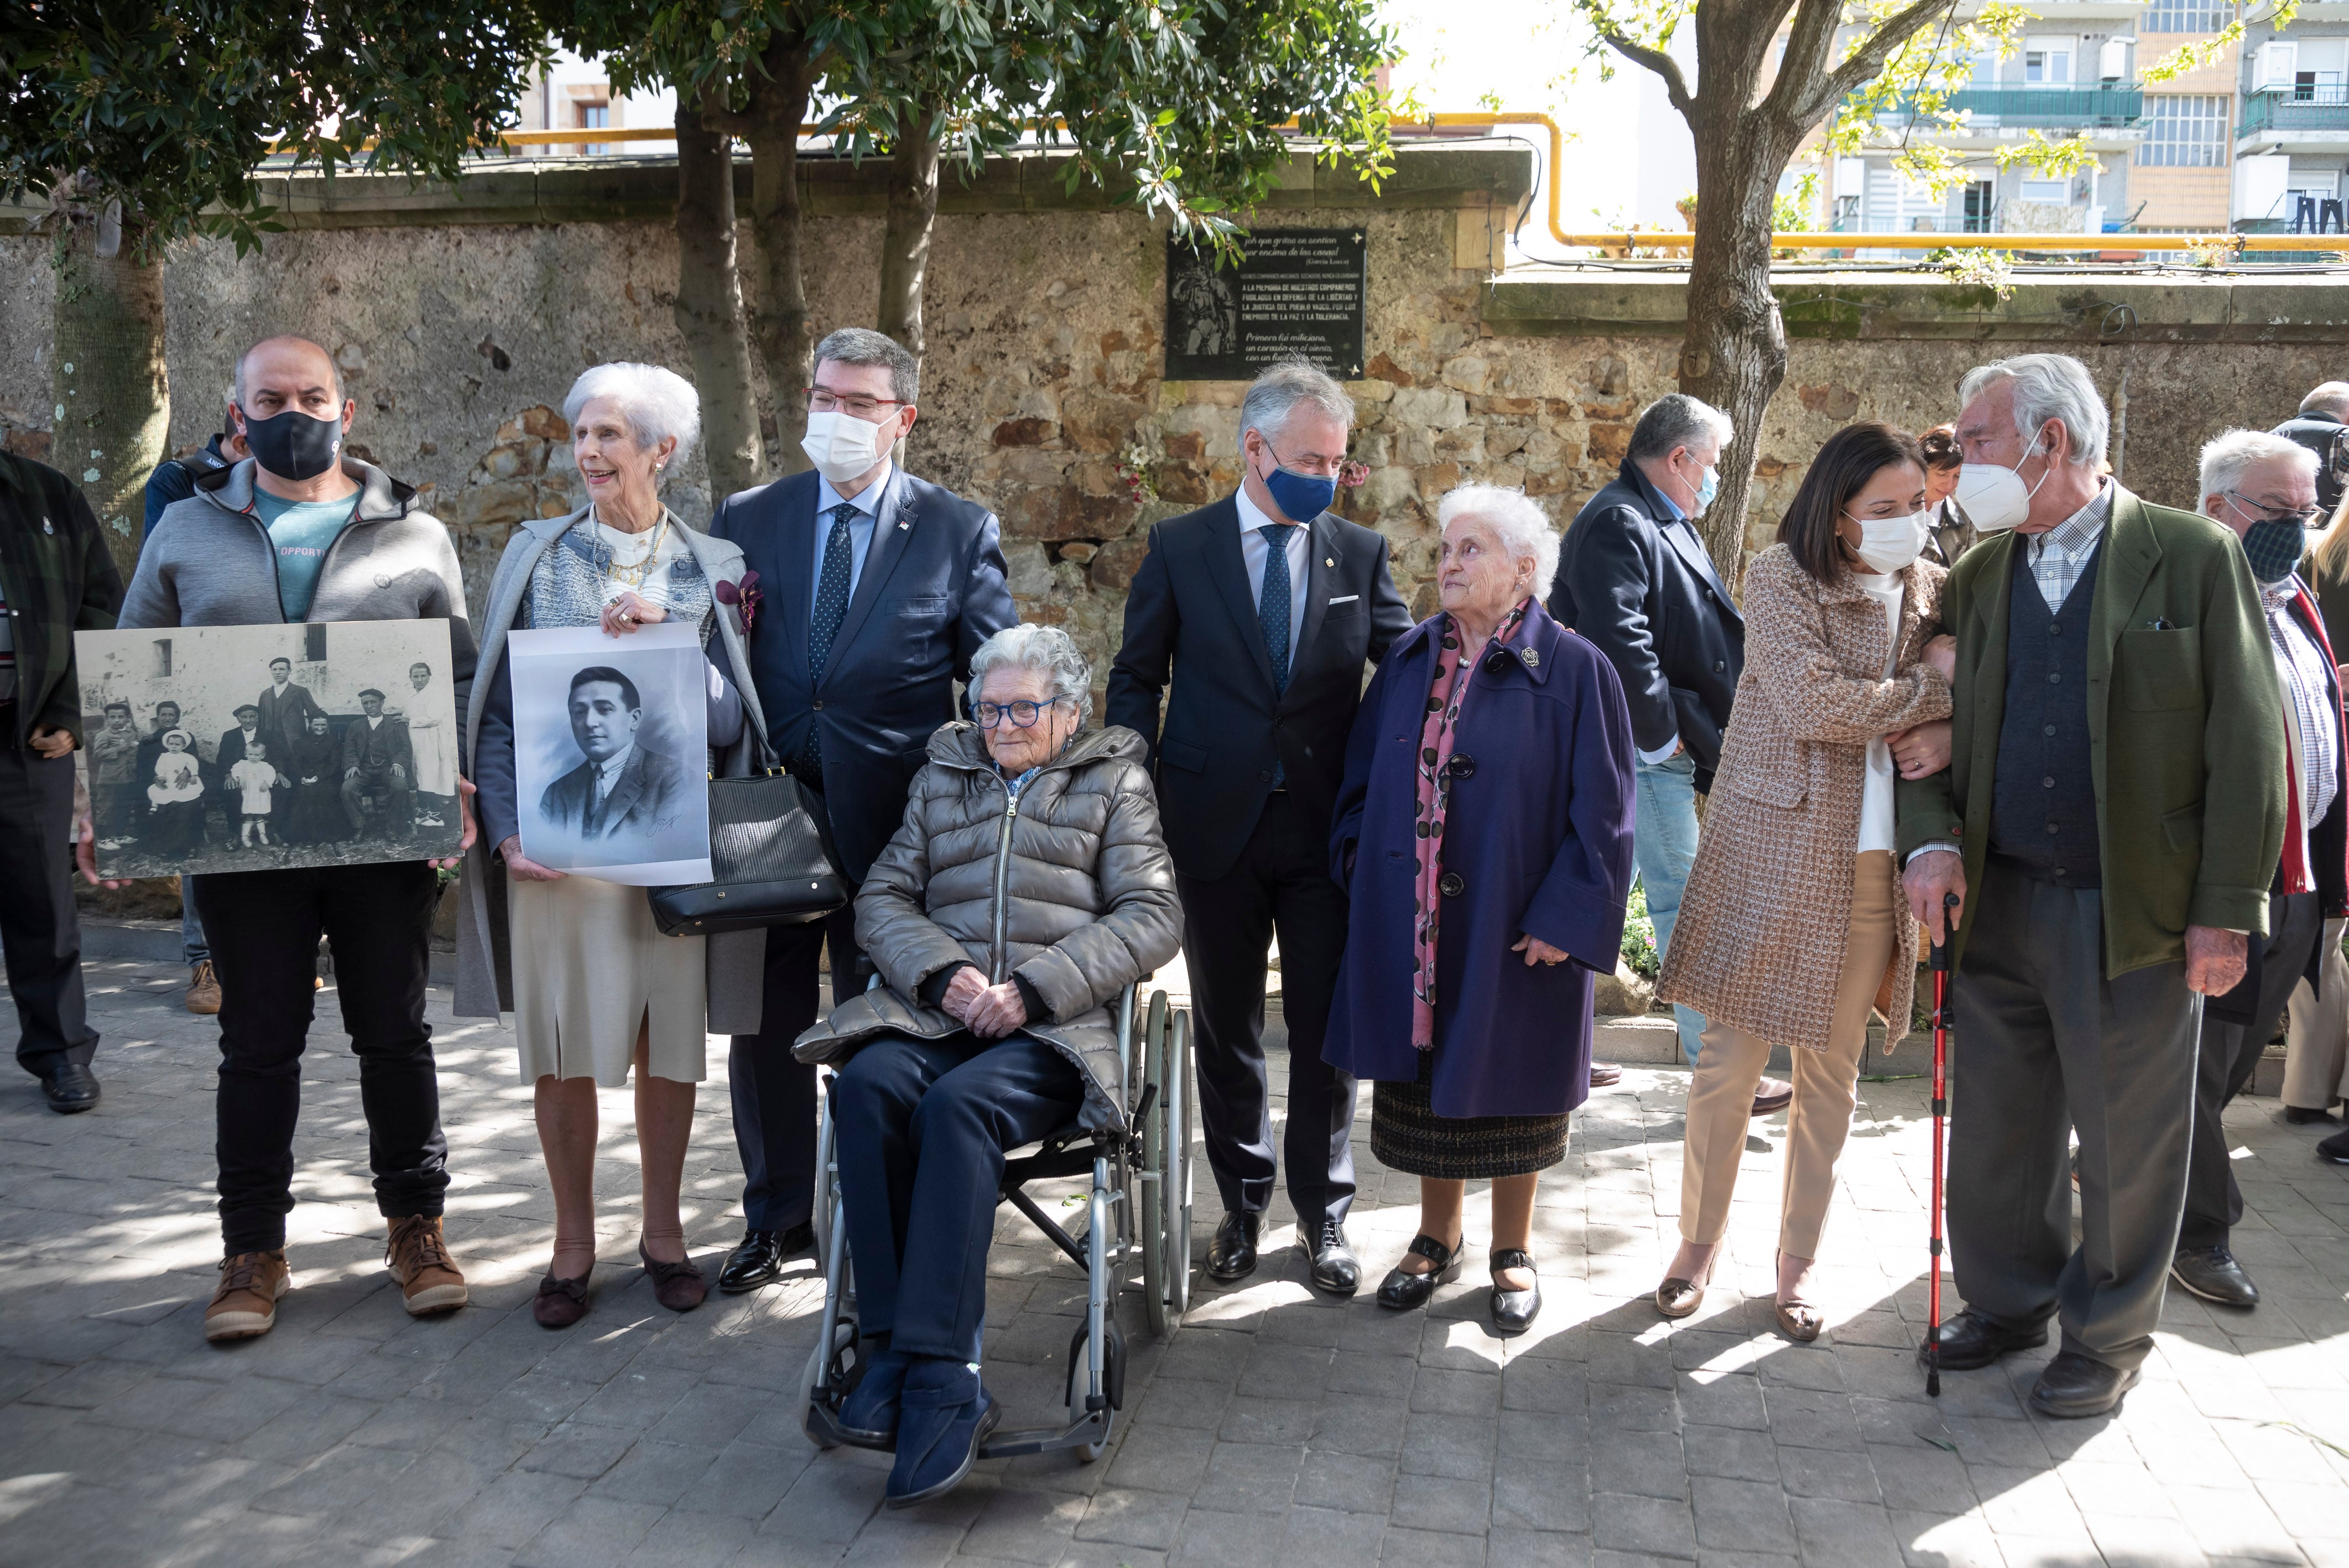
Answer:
(419, 1259)
(203, 989)
(245, 1305)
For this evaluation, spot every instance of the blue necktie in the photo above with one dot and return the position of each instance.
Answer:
(1272, 615)
(831, 609)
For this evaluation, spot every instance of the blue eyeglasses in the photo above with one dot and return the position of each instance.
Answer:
(1023, 714)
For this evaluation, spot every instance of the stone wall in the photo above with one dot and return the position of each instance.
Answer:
(460, 318)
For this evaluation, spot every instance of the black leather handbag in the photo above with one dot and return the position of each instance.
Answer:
(770, 859)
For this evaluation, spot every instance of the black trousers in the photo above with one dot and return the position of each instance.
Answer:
(2229, 1056)
(38, 928)
(774, 1095)
(923, 1127)
(263, 927)
(1281, 883)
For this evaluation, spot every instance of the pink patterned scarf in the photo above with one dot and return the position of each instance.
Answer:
(1445, 698)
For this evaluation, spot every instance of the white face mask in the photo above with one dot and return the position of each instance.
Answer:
(1890, 543)
(841, 446)
(1992, 495)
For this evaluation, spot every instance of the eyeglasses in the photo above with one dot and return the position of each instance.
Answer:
(2302, 515)
(868, 409)
(1022, 715)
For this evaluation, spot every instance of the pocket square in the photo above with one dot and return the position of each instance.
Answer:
(1345, 598)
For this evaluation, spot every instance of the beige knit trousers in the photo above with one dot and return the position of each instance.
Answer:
(2314, 1071)
(1721, 1095)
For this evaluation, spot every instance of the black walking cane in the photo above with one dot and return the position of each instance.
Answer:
(1940, 963)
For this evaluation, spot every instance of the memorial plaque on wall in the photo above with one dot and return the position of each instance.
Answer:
(1296, 291)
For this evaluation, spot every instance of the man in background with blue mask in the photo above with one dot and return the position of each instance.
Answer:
(2107, 830)
(875, 589)
(2264, 488)
(1635, 578)
(1262, 611)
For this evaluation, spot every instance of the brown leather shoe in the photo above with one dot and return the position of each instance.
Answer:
(1604, 1075)
(1771, 1095)
(677, 1286)
(246, 1305)
(204, 990)
(419, 1259)
(560, 1302)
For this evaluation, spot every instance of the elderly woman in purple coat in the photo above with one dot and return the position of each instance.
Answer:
(1484, 836)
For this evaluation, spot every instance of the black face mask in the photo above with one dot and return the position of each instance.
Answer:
(293, 445)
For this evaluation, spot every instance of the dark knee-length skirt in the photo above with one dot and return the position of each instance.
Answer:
(1408, 1136)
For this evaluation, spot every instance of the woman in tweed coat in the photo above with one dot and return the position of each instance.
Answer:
(1793, 927)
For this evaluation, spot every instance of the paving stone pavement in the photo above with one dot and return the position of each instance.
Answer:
(1273, 1428)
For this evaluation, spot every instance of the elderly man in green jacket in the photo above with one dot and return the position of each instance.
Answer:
(2109, 823)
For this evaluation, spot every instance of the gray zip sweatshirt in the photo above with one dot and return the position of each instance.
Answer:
(207, 561)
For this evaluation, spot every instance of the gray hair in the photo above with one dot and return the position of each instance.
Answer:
(657, 402)
(1525, 529)
(2225, 459)
(1276, 394)
(1676, 421)
(1033, 647)
(862, 345)
(2331, 397)
(2048, 387)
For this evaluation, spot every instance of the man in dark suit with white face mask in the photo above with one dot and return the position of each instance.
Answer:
(875, 589)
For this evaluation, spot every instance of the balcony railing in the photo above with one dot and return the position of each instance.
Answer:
(2109, 106)
(2324, 107)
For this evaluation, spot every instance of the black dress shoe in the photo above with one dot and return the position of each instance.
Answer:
(1970, 1340)
(1335, 1267)
(1402, 1290)
(2303, 1116)
(2212, 1274)
(2334, 1151)
(2074, 1385)
(759, 1260)
(71, 1088)
(1232, 1255)
(1514, 1311)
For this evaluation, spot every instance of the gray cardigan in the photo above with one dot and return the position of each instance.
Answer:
(737, 960)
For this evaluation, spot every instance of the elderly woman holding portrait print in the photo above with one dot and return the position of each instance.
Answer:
(595, 989)
(1028, 888)
(1484, 837)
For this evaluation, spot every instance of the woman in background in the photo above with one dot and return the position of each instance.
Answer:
(1949, 534)
(2316, 1059)
(317, 815)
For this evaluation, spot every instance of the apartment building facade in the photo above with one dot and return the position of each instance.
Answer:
(2291, 137)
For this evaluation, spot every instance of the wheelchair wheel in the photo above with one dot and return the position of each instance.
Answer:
(1113, 1383)
(825, 1190)
(1175, 1194)
(842, 1357)
(1153, 1226)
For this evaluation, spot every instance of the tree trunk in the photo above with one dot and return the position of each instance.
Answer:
(709, 306)
(779, 101)
(113, 399)
(905, 238)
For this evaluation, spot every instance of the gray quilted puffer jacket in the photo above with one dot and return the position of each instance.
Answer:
(1073, 888)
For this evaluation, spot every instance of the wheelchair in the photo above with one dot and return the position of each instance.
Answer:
(1137, 1236)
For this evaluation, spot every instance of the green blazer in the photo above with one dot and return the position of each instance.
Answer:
(2185, 731)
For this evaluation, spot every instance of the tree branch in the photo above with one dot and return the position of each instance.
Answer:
(1664, 65)
(1808, 42)
(1867, 59)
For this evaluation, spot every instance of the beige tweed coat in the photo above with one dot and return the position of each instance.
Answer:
(1764, 922)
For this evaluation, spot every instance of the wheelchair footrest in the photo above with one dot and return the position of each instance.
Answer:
(1093, 1429)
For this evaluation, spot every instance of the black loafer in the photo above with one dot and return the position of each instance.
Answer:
(1336, 1269)
(2074, 1386)
(1514, 1311)
(1401, 1290)
(2334, 1151)
(2212, 1274)
(1232, 1255)
(759, 1259)
(2303, 1116)
(1970, 1340)
(71, 1088)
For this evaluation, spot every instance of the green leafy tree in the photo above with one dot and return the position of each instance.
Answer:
(144, 121)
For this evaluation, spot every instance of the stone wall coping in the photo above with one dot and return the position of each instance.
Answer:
(2081, 307)
(631, 189)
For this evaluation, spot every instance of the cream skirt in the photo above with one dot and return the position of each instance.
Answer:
(589, 966)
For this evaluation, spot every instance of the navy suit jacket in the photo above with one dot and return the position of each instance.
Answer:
(1190, 617)
(932, 590)
(1640, 587)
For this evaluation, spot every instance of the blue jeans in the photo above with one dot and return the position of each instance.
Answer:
(192, 926)
(1664, 841)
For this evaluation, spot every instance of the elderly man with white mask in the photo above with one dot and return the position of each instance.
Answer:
(873, 590)
(2263, 488)
(2107, 831)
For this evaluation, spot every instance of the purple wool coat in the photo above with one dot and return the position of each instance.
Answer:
(1540, 835)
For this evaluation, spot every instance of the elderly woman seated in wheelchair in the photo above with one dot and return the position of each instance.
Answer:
(1028, 889)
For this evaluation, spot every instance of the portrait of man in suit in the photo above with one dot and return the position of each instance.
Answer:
(622, 787)
(286, 708)
(379, 766)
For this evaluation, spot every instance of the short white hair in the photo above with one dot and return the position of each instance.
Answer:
(1284, 384)
(1033, 647)
(2226, 459)
(655, 402)
(2327, 398)
(2048, 387)
(1525, 529)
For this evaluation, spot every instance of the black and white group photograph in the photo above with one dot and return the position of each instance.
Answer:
(264, 748)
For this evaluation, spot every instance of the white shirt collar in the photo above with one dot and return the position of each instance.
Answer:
(608, 772)
(2076, 532)
(866, 500)
(1253, 517)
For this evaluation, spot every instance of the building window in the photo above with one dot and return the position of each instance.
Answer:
(594, 117)
(2056, 191)
(1982, 204)
(2046, 67)
(2185, 16)
(314, 643)
(2185, 131)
